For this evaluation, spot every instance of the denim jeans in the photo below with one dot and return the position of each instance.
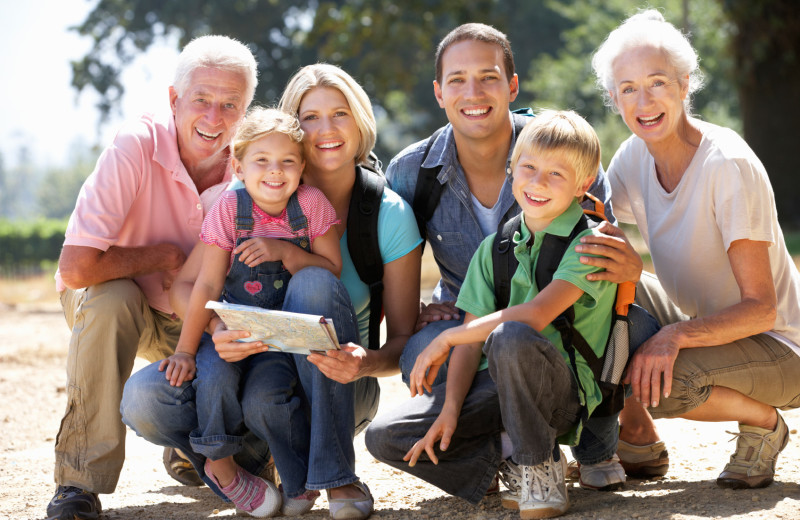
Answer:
(528, 391)
(220, 423)
(417, 343)
(166, 415)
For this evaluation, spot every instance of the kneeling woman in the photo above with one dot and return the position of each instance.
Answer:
(704, 204)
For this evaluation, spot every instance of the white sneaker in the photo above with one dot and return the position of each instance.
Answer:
(603, 476)
(511, 476)
(543, 492)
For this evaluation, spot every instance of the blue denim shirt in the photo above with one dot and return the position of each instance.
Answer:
(453, 231)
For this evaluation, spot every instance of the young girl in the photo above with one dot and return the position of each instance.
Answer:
(254, 240)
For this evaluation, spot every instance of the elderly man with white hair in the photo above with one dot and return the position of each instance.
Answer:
(136, 219)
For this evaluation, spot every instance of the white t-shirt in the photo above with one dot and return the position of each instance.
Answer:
(724, 195)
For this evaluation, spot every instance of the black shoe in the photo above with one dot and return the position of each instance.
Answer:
(72, 503)
(180, 468)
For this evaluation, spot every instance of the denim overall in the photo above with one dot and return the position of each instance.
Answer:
(265, 284)
(217, 383)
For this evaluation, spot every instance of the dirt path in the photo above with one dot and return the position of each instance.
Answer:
(32, 400)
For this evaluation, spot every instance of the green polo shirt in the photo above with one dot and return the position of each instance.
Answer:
(593, 309)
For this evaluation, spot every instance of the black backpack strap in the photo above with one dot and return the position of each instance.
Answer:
(428, 190)
(504, 263)
(520, 117)
(552, 251)
(362, 242)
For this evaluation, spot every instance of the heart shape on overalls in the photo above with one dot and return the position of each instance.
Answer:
(253, 287)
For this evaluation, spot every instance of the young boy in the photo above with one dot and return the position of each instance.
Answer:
(532, 384)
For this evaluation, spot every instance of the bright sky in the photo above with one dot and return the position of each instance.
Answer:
(39, 108)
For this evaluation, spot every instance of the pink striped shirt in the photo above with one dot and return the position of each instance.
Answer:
(219, 226)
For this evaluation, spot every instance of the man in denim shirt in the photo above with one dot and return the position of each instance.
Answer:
(475, 83)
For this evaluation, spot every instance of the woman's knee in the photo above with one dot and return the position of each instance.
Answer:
(310, 289)
(148, 401)
(690, 388)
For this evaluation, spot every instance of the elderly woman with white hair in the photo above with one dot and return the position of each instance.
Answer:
(727, 293)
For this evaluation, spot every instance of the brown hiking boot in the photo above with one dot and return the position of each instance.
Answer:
(752, 465)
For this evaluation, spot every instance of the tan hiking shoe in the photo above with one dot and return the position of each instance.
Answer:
(752, 465)
(648, 461)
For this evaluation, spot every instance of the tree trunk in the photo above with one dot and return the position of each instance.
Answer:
(767, 51)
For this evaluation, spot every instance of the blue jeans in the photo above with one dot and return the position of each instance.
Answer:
(417, 343)
(167, 415)
(220, 422)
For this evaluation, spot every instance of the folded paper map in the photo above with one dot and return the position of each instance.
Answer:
(289, 332)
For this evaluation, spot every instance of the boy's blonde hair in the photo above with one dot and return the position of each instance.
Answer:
(260, 122)
(566, 132)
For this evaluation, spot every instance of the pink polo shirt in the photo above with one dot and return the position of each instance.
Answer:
(140, 194)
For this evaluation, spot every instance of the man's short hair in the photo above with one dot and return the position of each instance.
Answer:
(216, 52)
(478, 32)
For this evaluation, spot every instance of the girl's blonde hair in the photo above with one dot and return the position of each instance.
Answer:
(566, 132)
(260, 122)
(326, 75)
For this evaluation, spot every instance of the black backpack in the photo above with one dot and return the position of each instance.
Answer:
(607, 369)
(428, 190)
(362, 239)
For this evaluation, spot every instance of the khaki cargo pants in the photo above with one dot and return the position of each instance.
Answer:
(111, 324)
(760, 366)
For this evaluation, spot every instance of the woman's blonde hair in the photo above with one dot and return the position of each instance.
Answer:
(326, 75)
(260, 122)
(566, 132)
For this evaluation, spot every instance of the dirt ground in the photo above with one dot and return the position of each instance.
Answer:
(32, 400)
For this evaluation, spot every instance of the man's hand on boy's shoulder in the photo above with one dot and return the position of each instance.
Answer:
(435, 312)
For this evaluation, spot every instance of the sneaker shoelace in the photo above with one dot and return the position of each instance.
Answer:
(756, 437)
(510, 475)
(248, 494)
(544, 481)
